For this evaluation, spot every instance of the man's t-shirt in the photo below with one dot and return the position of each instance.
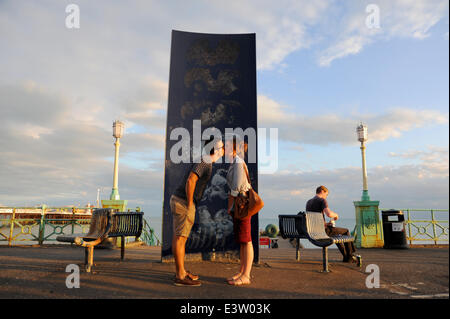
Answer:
(316, 204)
(203, 171)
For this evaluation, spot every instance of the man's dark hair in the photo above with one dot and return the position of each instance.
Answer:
(321, 189)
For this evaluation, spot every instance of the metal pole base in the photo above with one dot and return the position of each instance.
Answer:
(325, 260)
(297, 250)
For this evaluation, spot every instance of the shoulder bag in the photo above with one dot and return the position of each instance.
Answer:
(247, 205)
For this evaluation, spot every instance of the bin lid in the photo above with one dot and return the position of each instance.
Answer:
(392, 212)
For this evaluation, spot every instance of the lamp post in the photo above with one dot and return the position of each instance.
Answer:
(361, 130)
(117, 133)
(368, 229)
(114, 200)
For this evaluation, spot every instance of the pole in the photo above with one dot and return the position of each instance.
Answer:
(365, 195)
(115, 190)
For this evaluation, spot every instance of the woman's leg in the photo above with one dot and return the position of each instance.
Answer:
(241, 269)
(246, 265)
(247, 260)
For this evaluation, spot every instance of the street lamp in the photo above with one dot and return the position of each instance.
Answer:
(118, 128)
(368, 228)
(361, 130)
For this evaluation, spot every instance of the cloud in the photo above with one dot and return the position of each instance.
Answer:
(332, 128)
(434, 161)
(347, 46)
(398, 19)
(50, 157)
(420, 186)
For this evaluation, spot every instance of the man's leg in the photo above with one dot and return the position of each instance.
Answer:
(332, 231)
(182, 224)
(178, 250)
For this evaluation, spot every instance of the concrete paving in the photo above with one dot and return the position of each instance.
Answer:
(39, 272)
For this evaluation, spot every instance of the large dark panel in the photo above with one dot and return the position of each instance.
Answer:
(212, 79)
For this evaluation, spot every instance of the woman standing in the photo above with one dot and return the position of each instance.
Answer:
(239, 185)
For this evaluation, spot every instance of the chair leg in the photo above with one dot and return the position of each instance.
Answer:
(325, 259)
(122, 247)
(297, 250)
(89, 258)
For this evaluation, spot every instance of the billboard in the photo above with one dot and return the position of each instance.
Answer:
(212, 84)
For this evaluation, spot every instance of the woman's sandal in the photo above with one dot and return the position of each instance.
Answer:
(239, 281)
(234, 277)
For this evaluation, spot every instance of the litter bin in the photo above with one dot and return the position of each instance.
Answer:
(394, 229)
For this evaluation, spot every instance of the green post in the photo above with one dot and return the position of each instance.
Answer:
(11, 230)
(42, 225)
(434, 227)
(409, 226)
(120, 205)
(368, 226)
(73, 220)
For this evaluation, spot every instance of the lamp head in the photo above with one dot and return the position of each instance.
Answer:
(361, 130)
(118, 128)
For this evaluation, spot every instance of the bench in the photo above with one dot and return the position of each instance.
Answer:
(106, 223)
(309, 225)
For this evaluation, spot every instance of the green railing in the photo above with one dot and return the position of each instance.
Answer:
(426, 225)
(148, 235)
(39, 225)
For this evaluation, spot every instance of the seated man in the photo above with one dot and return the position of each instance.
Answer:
(319, 204)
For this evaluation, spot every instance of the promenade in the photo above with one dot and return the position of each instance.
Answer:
(39, 272)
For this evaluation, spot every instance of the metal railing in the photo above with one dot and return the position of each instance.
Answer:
(420, 229)
(148, 235)
(39, 225)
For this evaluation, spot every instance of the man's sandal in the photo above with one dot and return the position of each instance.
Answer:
(239, 281)
(190, 276)
(186, 282)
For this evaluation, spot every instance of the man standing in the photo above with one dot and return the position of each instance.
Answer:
(182, 205)
(319, 204)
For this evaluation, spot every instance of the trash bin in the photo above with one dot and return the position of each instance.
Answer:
(394, 229)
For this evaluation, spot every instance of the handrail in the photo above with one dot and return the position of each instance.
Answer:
(148, 235)
(417, 229)
(43, 224)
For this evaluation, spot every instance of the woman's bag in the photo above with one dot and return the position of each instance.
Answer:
(249, 205)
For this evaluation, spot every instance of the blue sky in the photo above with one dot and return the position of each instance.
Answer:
(321, 71)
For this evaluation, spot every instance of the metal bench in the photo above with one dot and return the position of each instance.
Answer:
(309, 225)
(106, 223)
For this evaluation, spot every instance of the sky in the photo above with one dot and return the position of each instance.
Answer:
(322, 68)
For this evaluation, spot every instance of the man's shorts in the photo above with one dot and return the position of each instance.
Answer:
(183, 219)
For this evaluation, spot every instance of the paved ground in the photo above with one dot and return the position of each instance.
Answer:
(39, 272)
